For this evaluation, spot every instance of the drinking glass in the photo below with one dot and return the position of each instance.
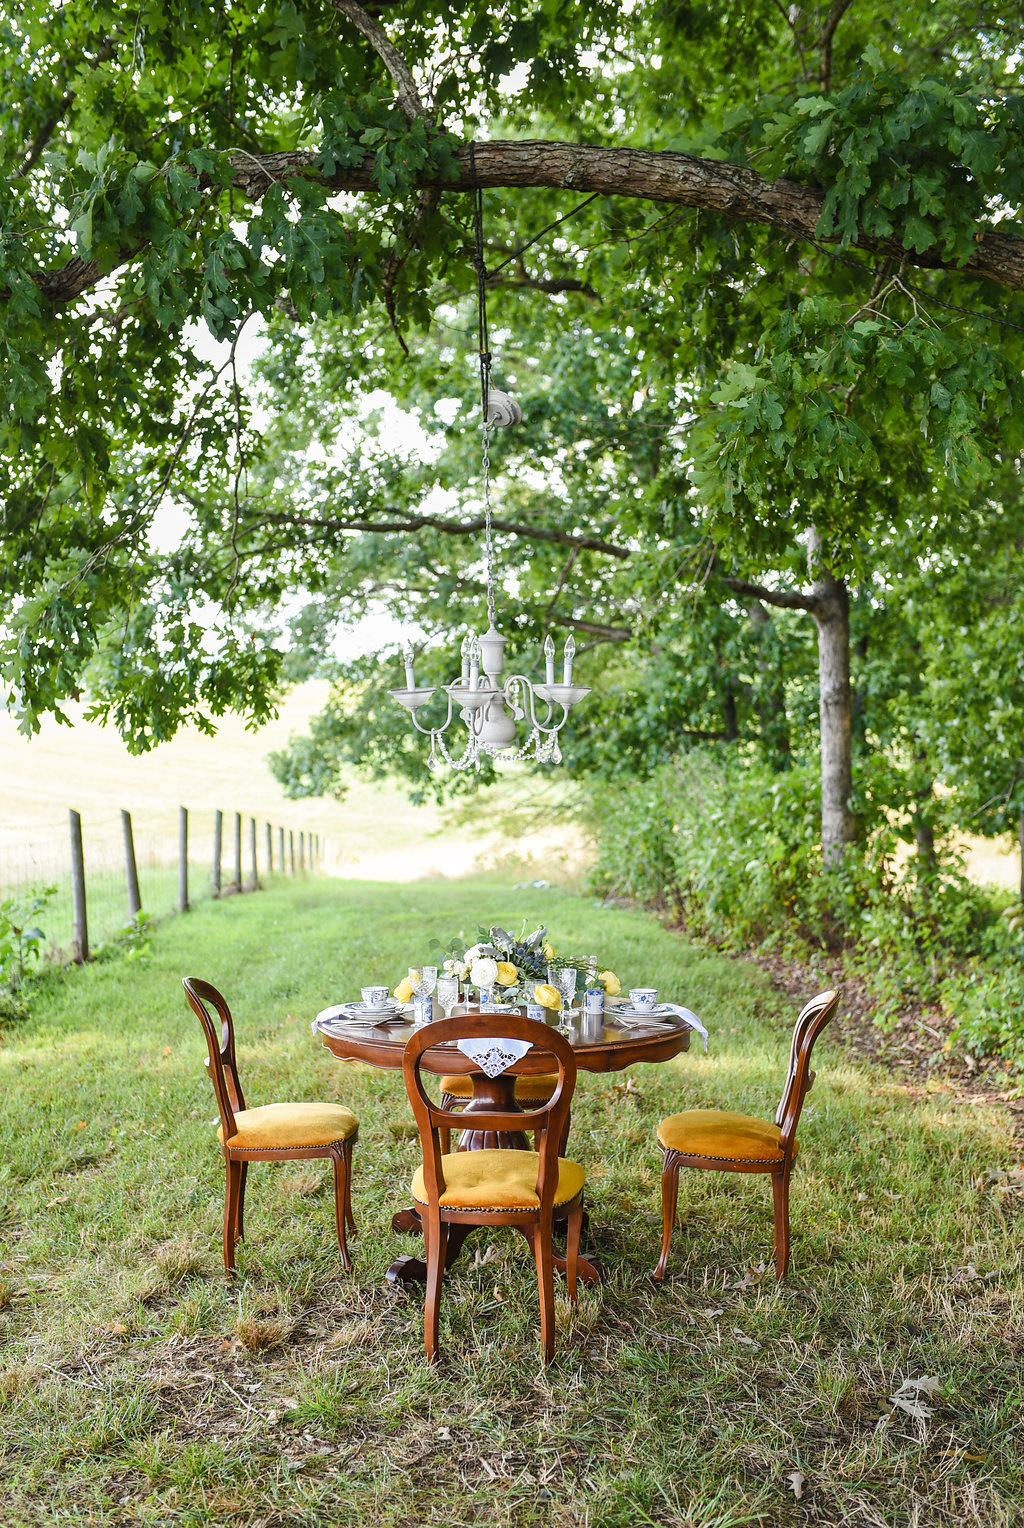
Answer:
(423, 979)
(448, 993)
(565, 980)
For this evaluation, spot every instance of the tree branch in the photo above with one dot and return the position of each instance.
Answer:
(782, 599)
(824, 42)
(407, 523)
(408, 96)
(45, 133)
(680, 179)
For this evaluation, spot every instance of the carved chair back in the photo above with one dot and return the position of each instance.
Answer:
(548, 1119)
(813, 1017)
(220, 1040)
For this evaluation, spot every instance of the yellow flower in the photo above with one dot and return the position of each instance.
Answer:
(548, 997)
(507, 974)
(549, 952)
(612, 985)
(403, 992)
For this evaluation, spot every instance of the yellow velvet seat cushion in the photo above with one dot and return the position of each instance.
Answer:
(721, 1136)
(279, 1127)
(535, 1089)
(497, 1180)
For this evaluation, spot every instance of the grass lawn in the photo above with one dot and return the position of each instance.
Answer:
(138, 1387)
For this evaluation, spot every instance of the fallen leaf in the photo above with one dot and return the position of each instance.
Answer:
(712, 1312)
(490, 1254)
(908, 1397)
(750, 1279)
(797, 1481)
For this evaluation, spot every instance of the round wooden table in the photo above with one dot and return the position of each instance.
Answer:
(599, 1045)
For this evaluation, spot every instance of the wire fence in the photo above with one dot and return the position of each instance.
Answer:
(103, 872)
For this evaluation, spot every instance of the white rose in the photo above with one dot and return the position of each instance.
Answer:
(484, 972)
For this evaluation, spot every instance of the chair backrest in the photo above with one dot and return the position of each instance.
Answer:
(812, 1020)
(547, 1119)
(220, 1040)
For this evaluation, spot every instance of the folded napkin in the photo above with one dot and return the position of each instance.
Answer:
(635, 1020)
(340, 1014)
(688, 1017)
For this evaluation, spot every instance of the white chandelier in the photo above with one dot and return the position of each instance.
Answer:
(492, 707)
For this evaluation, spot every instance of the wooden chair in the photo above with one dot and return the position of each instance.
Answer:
(270, 1133)
(530, 1190)
(739, 1143)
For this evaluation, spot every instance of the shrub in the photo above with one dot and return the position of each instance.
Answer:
(20, 939)
(731, 851)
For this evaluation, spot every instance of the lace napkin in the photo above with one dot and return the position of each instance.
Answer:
(494, 1055)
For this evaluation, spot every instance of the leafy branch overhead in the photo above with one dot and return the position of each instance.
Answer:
(793, 306)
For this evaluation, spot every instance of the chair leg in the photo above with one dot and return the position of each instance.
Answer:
(339, 1160)
(240, 1213)
(232, 1189)
(350, 1218)
(572, 1247)
(542, 1251)
(780, 1197)
(669, 1200)
(435, 1237)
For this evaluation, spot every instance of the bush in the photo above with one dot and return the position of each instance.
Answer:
(732, 852)
(12, 1010)
(20, 939)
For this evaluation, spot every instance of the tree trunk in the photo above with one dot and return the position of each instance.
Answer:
(1020, 840)
(832, 618)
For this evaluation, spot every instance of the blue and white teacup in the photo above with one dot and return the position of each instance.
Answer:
(536, 1011)
(593, 1001)
(643, 999)
(375, 997)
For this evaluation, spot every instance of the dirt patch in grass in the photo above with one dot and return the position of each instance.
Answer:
(917, 1047)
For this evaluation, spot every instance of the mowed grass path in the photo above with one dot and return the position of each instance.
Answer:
(138, 1387)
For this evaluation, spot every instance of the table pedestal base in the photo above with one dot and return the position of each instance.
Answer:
(413, 1270)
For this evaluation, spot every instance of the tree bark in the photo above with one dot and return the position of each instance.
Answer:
(831, 611)
(653, 175)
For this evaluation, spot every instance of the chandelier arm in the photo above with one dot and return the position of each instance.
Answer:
(428, 731)
(528, 702)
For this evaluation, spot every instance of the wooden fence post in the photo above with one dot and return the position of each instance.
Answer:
(270, 849)
(130, 868)
(183, 903)
(252, 852)
(79, 925)
(280, 850)
(238, 852)
(291, 848)
(302, 850)
(218, 841)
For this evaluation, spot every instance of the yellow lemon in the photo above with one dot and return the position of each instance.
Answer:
(507, 973)
(403, 992)
(547, 997)
(612, 985)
